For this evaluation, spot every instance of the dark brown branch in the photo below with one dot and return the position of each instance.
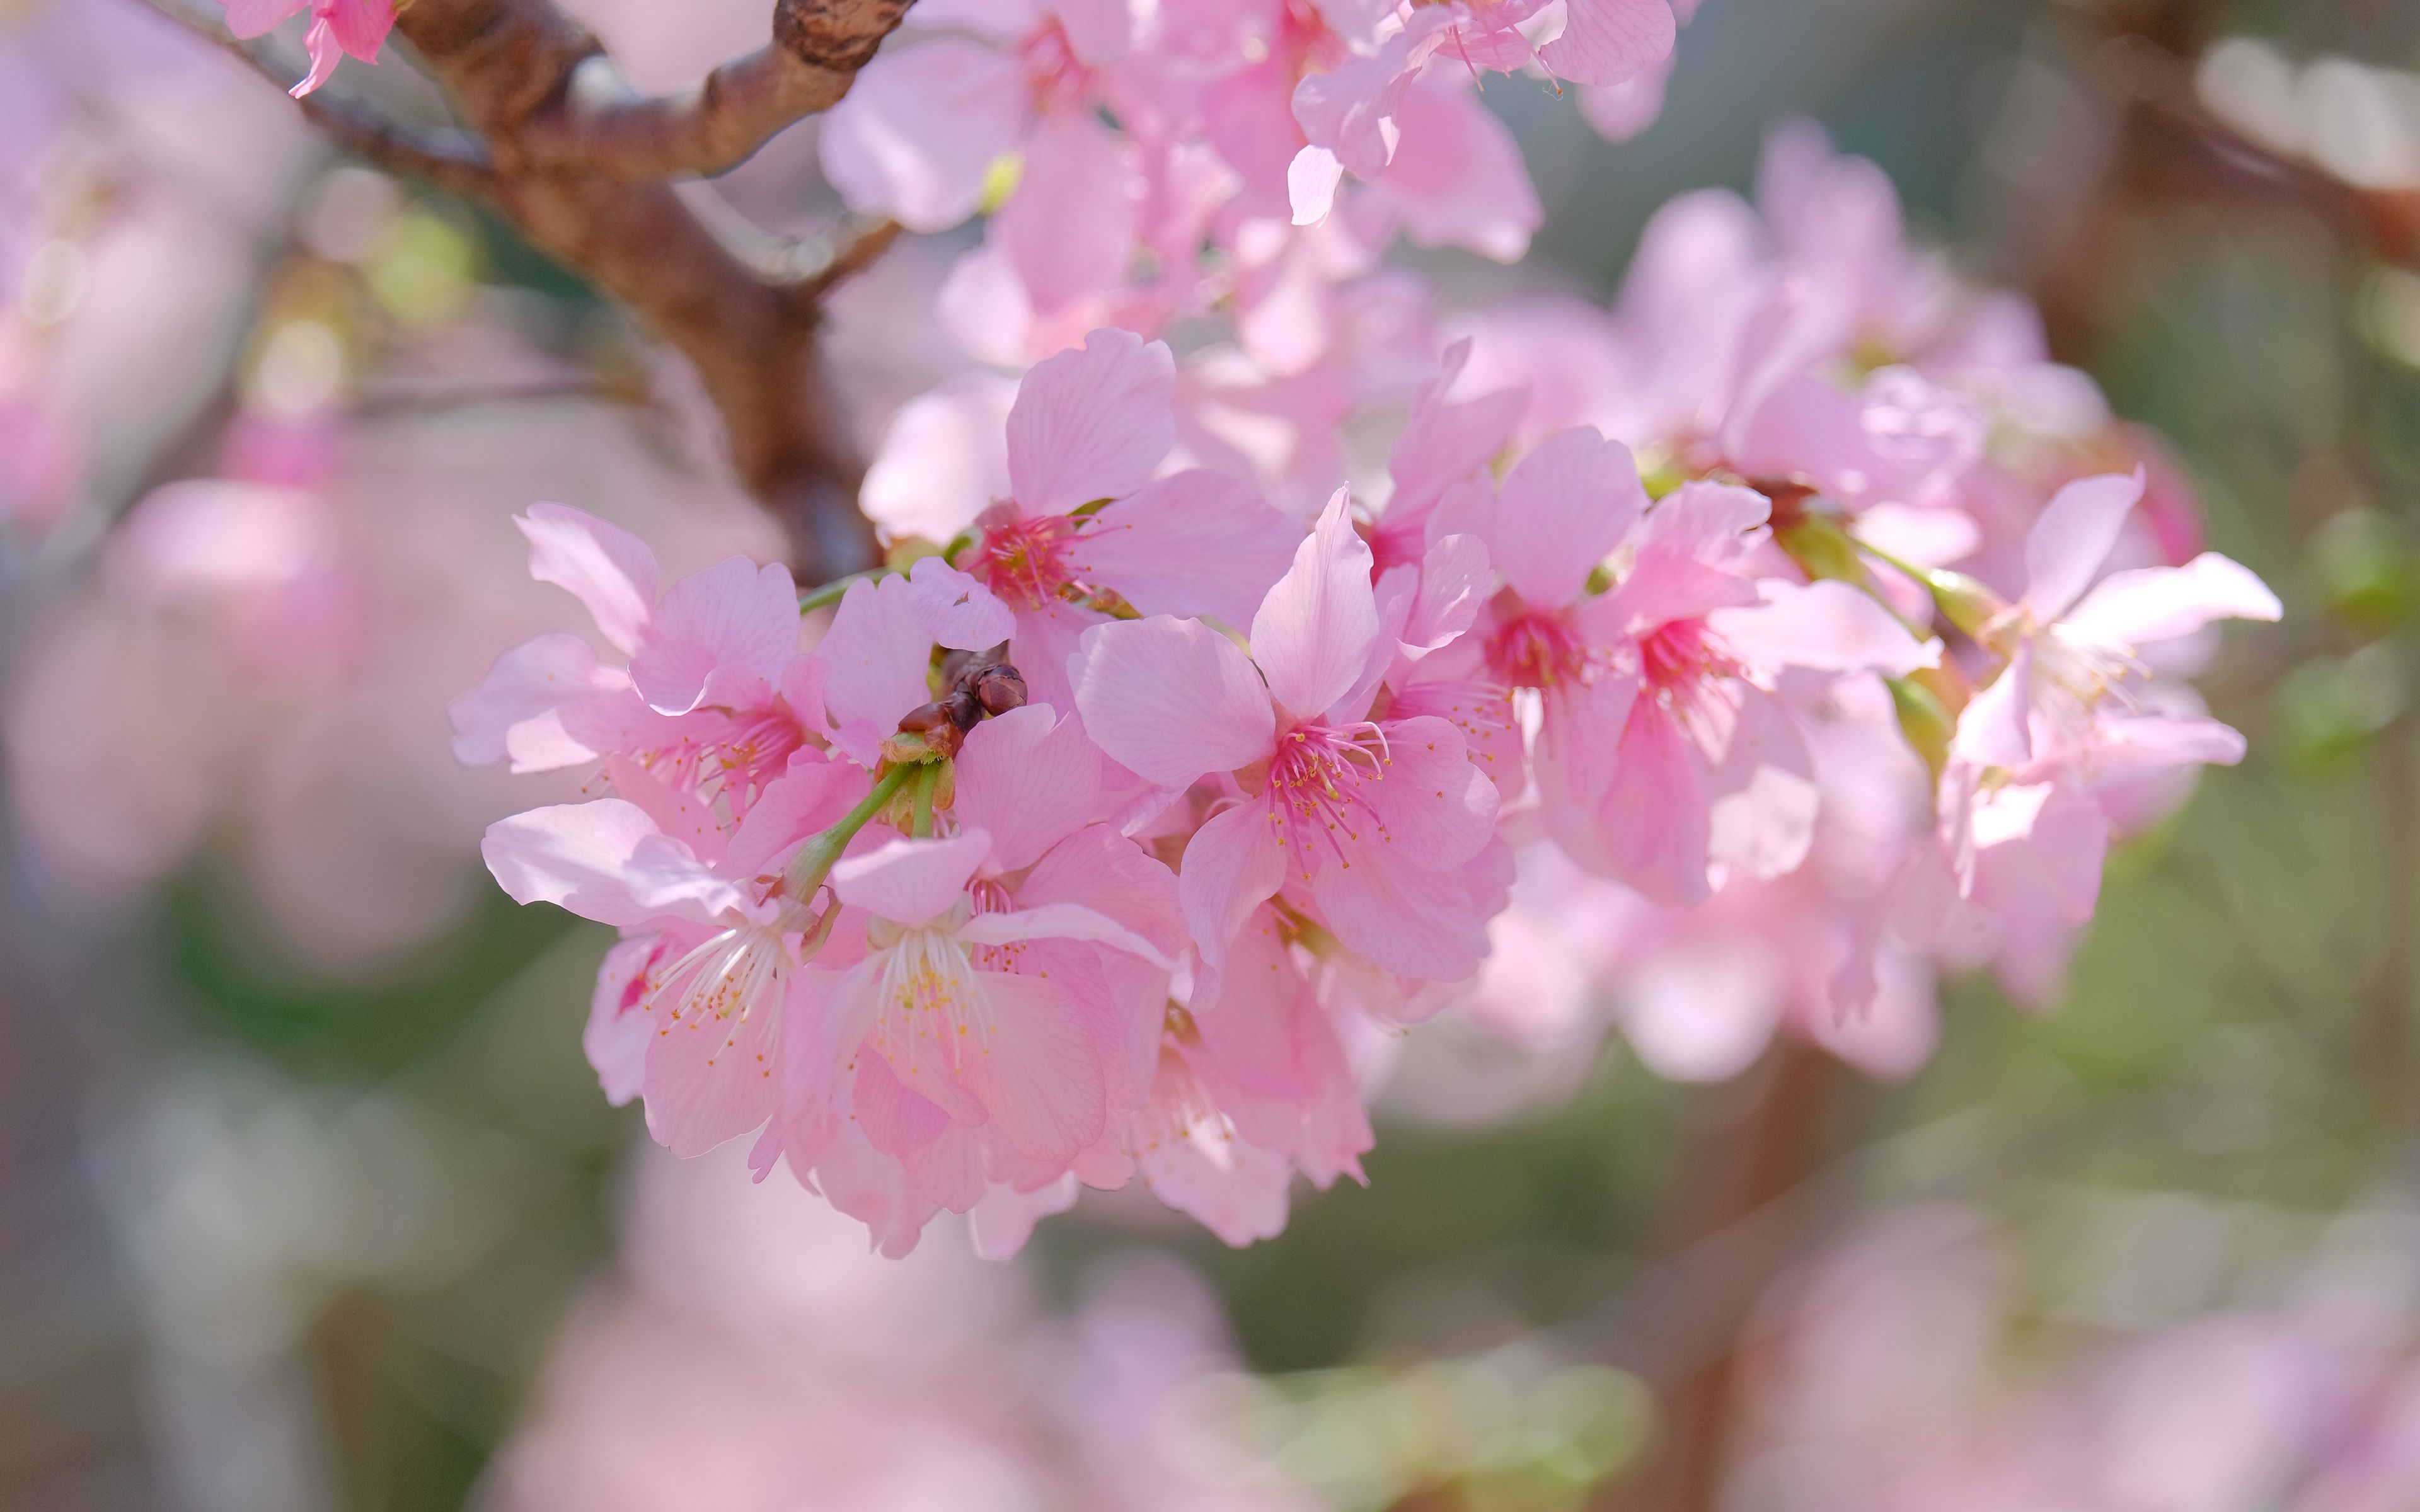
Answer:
(817, 47)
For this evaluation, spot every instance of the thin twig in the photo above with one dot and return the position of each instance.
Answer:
(448, 159)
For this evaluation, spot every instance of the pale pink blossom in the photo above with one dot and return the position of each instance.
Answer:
(1366, 821)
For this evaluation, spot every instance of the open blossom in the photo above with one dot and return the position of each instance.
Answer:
(1086, 530)
(1366, 821)
(337, 27)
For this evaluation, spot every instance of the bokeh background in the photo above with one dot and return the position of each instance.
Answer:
(308, 1200)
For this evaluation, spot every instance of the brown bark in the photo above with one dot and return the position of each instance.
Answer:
(577, 162)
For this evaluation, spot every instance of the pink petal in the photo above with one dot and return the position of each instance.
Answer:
(1195, 543)
(1458, 178)
(1045, 641)
(1232, 865)
(2137, 745)
(1318, 628)
(955, 609)
(912, 882)
(1058, 922)
(1036, 1070)
(320, 45)
(1654, 823)
(915, 136)
(1622, 110)
(2072, 538)
(1439, 809)
(1763, 799)
(1091, 423)
(2149, 604)
(1172, 700)
(876, 659)
(734, 617)
(617, 1034)
(528, 682)
(1000, 1225)
(1399, 915)
(680, 815)
(1701, 1014)
(1108, 875)
(359, 26)
(1069, 229)
(605, 567)
(1563, 511)
(1455, 576)
(1995, 726)
(943, 460)
(895, 1119)
(1606, 41)
(1827, 626)
(574, 854)
(1311, 182)
(711, 1078)
(811, 795)
(1029, 778)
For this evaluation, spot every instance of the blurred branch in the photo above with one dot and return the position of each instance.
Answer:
(451, 160)
(817, 47)
(559, 147)
(1748, 1180)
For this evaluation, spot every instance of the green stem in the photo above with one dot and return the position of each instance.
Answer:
(832, 593)
(928, 778)
(817, 857)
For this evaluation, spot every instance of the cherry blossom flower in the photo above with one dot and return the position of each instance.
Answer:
(1367, 819)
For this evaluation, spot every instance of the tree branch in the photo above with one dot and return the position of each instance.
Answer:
(817, 47)
(576, 164)
(451, 160)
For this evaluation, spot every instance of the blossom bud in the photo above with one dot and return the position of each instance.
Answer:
(1000, 689)
(924, 733)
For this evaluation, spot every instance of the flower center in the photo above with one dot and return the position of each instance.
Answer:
(1023, 559)
(931, 1003)
(1685, 665)
(731, 976)
(1315, 788)
(1537, 651)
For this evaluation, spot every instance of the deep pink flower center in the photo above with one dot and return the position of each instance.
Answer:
(1537, 651)
(1316, 784)
(1686, 665)
(1023, 558)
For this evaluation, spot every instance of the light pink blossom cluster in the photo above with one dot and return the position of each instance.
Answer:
(1141, 165)
(1730, 659)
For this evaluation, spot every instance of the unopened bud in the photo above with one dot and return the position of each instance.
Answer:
(1966, 603)
(925, 734)
(1000, 689)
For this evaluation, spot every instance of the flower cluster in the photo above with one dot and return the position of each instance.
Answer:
(1086, 844)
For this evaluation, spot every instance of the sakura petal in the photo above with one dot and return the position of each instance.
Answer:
(1232, 865)
(574, 854)
(736, 617)
(1231, 1187)
(2132, 609)
(1995, 726)
(1455, 579)
(1311, 182)
(1000, 1225)
(248, 19)
(943, 460)
(605, 567)
(1197, 542)
(1036, 1071)
(321, 46)
(1399, 915)
(1826, 625)
(1439, 811)
(1069, 229)
(2072, 538)
(811, 795)
(914, 138)
(875, 658)
(711, 1078)
(1171, 700)
(616, 1036)
(1563, 511)
(1654, 822)
(955, 609)
(1059, 921)
(1318, 628)
(359, 26)
(1091, 423)
(1029, 778)
(911, 881)
(896, 1120)
(527, 682)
